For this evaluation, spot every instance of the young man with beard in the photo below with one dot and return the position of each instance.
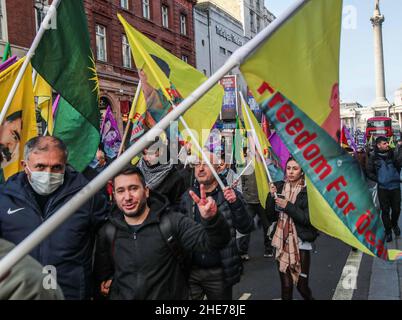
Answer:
(384, 167)
(133, 260)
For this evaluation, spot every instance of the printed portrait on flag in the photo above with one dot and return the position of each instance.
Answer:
(111, 137)
(157, 104)
(19, 124)
(10, 137)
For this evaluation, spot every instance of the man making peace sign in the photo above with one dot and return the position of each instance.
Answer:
(134, 259)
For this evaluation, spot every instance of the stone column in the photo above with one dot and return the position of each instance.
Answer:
(377, 20)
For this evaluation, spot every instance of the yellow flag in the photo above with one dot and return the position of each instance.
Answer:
(260, 173)
(20, 123)
(301, 60)
(43, 92)
(167, 80)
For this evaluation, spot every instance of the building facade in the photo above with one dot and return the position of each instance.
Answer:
(252, 14)
(221, 27)
(167, 22)
(217, 36)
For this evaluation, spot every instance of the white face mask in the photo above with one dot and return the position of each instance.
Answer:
(45, 183)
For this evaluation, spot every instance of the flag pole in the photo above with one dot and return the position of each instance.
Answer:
(45, 25)
(256, 142)
(47, 227)
(204, 156)
(131, 115)
(242, 172)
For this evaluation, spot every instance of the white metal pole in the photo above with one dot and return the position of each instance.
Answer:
(256, 142)
(137, 95)
(89, 190)
(204, 156)
(244, 170)
(43, 27)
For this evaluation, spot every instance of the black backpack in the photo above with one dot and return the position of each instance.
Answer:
(166, 229)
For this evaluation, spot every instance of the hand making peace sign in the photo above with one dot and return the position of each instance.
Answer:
(207, 206)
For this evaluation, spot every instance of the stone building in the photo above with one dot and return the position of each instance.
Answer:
(168, 22)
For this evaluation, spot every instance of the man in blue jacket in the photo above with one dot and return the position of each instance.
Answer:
(31, 197)
(384, 167)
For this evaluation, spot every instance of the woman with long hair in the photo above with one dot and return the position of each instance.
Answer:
(287, 203)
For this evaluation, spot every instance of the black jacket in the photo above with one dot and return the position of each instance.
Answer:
(298, 211)
(238, 217)
(69, 248)
(142, 265)
(374, 161)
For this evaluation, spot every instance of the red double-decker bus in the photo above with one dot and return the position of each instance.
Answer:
(379, 126)
(382, 126)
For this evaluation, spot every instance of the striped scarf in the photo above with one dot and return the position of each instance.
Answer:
(285, 239)
(154, 175)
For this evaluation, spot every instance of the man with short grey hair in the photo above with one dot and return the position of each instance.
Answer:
(31, 197)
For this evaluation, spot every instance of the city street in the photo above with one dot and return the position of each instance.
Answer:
(261, 280)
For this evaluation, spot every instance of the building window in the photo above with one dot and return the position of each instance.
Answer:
(3, 21)
(222, 50)
(126, 52)
(184, 58)
(40, 13)
(183, 24)
(252, 27)
(146, 12)
(101, 53)
(165, 16)
(258, 24)
(230, 53)
(204, 71)
(203, 43)
(124, 4)
(257, 4)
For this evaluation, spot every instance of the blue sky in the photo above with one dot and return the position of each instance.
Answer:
(357, 81)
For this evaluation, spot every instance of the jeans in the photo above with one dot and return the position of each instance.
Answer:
(209, 282)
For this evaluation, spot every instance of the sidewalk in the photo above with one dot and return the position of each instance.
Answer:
(386, 276)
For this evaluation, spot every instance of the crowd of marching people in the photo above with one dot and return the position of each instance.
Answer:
(160, 230)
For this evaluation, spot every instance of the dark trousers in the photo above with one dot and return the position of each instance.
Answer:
(208, 282)
(390, 200)
(302, 283)
(243, 242)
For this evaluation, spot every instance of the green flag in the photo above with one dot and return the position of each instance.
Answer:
(239, 143)
(65, 60)
(7, 52)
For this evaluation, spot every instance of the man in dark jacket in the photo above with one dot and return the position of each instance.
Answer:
(384, 166)
(214, 273)
(31, 197)
(133, 258)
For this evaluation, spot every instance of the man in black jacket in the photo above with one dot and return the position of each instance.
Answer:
(384, 166)
(214, 273)
(31, 197)
(135, 262)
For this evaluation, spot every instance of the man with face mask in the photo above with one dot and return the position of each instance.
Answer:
(31, 197)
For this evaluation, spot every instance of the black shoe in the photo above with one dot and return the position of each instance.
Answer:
(268, 253)
(388, 237)
(397, 231)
